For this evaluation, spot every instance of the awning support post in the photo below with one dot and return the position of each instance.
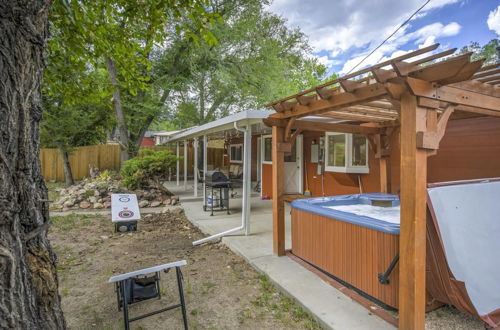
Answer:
(185, 164)
(245, 208)
(177, 169)
(205, 148)
(195, 167)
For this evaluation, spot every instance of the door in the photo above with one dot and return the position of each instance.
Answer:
(293, 169)
(292, 166)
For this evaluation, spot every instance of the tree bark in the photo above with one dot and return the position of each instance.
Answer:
(29, 296)
(120, 116)
(68, 174)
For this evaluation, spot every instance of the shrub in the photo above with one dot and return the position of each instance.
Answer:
(149, 168)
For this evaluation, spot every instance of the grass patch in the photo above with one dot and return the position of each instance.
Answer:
(71, 221)
(280, 306)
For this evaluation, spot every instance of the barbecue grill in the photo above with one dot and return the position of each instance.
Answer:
(218, 185)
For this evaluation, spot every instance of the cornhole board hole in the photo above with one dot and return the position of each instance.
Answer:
(125, 212)
(137, 286)
(465, 222)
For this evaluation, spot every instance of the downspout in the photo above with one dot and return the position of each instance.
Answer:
(245, 208)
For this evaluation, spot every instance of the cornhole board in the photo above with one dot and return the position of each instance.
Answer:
(125, 212)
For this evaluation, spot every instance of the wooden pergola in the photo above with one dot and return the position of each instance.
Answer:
(416, 93)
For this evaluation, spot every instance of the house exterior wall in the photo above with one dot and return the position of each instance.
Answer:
(470, 149)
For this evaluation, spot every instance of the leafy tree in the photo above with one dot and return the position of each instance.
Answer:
(29, 296)
(257, 59)
(77, 110)
(124, 34)
(487, 51)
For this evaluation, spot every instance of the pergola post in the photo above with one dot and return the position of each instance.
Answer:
(177, 169)
(278, 157)
(205, 148)
(195, 160)
(185, 164)
(412, 239)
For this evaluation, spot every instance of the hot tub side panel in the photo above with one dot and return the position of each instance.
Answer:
(352, 253)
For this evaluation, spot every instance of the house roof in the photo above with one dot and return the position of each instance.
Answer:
(248, 117)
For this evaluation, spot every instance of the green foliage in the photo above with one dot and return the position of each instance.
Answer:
(487, 51)
(150, 165)
(257, 59)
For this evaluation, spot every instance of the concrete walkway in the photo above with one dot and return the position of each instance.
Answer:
(325, 303)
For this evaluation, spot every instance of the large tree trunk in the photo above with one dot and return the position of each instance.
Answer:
(120, 116)
(68, 174)
(29, 296)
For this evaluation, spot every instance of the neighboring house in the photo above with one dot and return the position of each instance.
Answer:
(164, 137)
(148, 139)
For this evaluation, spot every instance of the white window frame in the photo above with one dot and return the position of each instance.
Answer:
(263, 149)
(348, 168)
(231, 160)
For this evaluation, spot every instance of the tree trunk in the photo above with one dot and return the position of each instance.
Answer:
(120, 116)
(29, 296)
(68, 174)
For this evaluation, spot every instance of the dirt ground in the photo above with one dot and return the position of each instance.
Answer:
(222, 291)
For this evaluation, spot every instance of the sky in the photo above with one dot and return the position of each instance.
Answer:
(342, 32)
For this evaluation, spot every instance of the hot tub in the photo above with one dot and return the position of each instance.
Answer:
(352, 238)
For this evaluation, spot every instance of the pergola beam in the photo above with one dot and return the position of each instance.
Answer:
(307, 125)
(453, 95)
(342, 100)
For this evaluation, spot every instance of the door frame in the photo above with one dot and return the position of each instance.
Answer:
(299, 160)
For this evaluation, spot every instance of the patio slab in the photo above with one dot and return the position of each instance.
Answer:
(331, 308)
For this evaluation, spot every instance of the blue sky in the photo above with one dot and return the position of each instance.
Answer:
(342, 32)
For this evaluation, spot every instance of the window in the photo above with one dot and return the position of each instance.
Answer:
(236, 153)
(267, 150)
(347, 153)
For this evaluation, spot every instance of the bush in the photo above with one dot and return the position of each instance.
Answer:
(149, 168)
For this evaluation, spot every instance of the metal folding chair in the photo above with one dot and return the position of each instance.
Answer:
(130, 289)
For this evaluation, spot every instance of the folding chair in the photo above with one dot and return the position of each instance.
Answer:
(130, 289)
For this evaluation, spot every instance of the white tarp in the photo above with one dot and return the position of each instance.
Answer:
(468, 216)
(124, 207)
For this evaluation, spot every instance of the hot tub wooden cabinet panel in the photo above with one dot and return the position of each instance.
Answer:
(352, 253)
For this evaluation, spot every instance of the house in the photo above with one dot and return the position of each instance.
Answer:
(400, 127)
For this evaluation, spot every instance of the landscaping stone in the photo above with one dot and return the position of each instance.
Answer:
(69, 203)
(92, 199)
(143, 203)
(98, 206)
(84, 205)
(155, 204)
(167, 201)
(107, 204)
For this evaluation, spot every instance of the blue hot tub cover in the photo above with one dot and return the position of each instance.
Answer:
(320, 206)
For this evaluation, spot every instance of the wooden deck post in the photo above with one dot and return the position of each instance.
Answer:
(384, 176)
(412, 239)
(278, 157)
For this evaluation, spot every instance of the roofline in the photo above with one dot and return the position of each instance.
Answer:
(248, 117)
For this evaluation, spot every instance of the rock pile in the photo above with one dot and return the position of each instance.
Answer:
(96, 194)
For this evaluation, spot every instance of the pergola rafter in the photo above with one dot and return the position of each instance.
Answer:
(409, 92)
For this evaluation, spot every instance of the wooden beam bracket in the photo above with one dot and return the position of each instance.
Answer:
(430, 139)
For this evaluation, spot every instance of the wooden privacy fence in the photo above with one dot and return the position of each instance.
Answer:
(107, 157)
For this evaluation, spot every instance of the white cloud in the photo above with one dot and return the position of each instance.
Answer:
(494, 20)
(423, 37)
(338, 26)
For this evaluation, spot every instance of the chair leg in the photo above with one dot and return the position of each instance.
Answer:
(125, 306)
(181, 296)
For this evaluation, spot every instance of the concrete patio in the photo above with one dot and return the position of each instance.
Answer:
(325, 303)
